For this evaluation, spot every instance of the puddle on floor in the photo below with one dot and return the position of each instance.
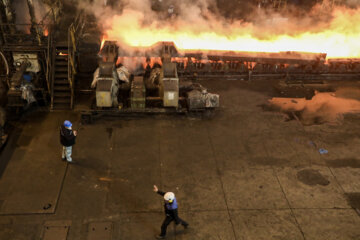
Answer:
(312, 177)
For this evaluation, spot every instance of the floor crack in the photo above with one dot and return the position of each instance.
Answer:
(221, 182)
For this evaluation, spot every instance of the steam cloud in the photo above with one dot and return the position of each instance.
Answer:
(144, 22)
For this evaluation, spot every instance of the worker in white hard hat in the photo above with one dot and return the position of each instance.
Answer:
(171, 212)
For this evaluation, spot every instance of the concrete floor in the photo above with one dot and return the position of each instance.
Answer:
(244, 174)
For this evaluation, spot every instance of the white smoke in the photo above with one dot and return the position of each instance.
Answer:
(145, 22)
(40, 10)
(204, 16)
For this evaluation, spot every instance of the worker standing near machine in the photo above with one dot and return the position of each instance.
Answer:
(67, 139)
(171, 212)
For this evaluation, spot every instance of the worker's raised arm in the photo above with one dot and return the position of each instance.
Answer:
(158, 191)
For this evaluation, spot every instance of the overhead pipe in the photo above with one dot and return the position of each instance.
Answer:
(9, 15)
(31, 12)
(6, 63)
(8, 11)
(1, 25)
(33, 28)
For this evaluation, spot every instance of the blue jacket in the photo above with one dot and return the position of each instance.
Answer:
(171, 206)
(171, 209)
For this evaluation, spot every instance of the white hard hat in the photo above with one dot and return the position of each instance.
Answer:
(169, 196)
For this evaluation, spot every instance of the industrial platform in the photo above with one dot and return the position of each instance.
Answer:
(246, 174)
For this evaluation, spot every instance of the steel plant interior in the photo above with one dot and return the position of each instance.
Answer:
(255, 145)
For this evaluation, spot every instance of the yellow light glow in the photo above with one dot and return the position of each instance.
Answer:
(340, 39)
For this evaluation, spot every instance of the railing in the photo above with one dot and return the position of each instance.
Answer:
(71, 60)
(49, 67)
(23, 34)
(33, 37)
(29, 38)
(73, 33)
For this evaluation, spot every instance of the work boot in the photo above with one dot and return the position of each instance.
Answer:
(160, 237)
(185, 226)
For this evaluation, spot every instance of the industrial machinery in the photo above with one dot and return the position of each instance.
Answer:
(237, 64)
(24, 60)
(106, 87)
(52, 62)
(37, 57)
(25, 51)
(166, 79)
(157, 89)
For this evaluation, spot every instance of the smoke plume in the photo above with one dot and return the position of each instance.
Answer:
(212, 24)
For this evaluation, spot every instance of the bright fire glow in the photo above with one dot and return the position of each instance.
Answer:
(103, 41)
(340, 38)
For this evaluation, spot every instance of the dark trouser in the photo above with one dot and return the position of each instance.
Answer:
(168, 219)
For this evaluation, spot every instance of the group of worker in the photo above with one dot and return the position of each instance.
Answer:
(67, 139)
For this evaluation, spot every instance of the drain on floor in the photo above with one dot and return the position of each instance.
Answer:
(56, 230)
(100, 231)
(312, 177)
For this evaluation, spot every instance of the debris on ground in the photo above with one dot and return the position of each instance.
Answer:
(323, 151)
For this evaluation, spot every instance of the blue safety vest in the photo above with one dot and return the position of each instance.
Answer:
(171, 206)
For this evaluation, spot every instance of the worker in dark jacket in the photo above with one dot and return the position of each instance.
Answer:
(67, 139)
(171, 212)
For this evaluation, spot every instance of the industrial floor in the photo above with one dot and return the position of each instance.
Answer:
(244, 174)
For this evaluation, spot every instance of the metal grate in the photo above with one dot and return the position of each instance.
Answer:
(56, 230)
(100, 231)
(103, 85)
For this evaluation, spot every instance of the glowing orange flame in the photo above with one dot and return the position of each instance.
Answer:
(104, 38)
(340, 39)
(63, 54)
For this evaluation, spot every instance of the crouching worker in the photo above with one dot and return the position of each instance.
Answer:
(67, 139)
(171, 212)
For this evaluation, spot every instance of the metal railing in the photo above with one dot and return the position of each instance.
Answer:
(74, 32)
(49, 66)
(24, 34)
(71, 61)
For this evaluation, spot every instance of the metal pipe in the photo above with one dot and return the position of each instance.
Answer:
(1, 26)
(6, 63)
(9, 15)
(8, 11)
(34, 28)
(31, 12)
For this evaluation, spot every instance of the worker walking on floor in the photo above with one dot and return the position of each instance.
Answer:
(67, 139)
(171, 212)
